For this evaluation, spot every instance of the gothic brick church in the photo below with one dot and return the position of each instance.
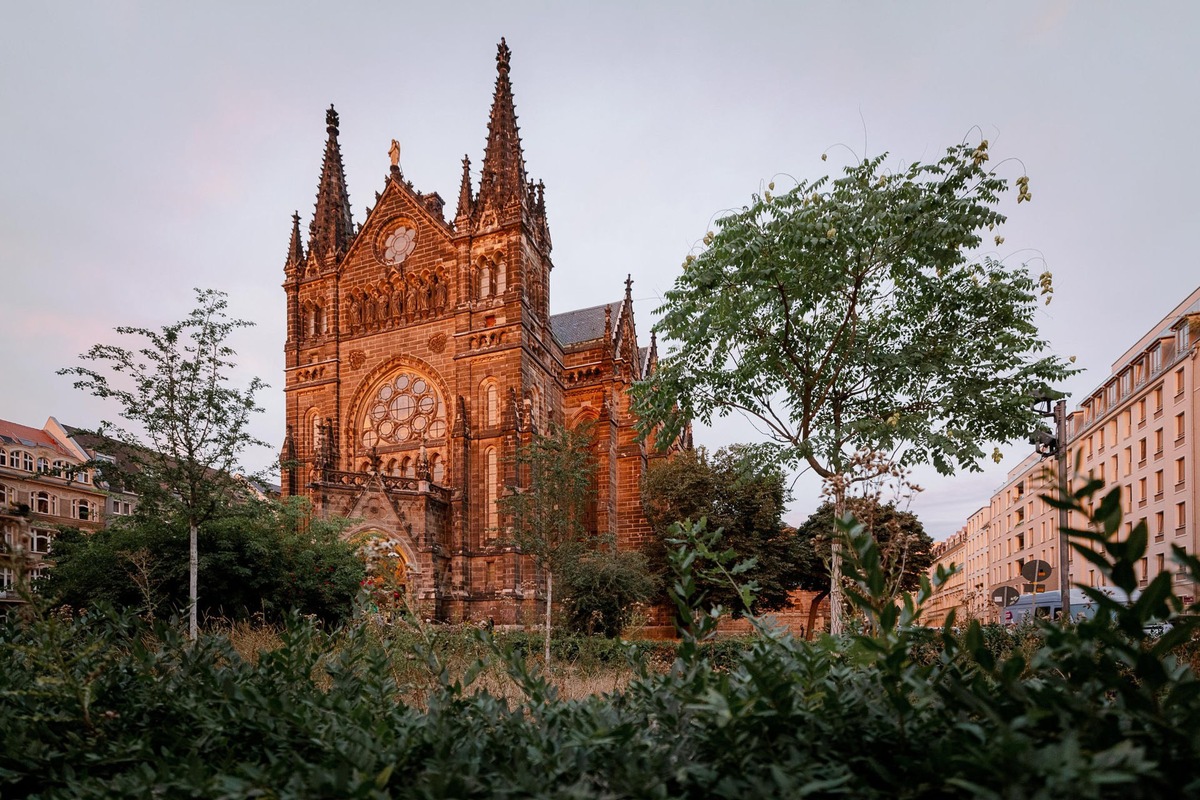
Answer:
(421, 352)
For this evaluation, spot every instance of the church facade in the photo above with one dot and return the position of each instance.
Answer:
(421, 353)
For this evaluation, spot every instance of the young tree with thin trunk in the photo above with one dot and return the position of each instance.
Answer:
(859, 313)
(185, 428)
(547, 509)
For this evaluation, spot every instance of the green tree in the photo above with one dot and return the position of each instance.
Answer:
(905, 549)
(185, 426)
(547, 508)
(744, 497)
(859, 313)
(603, 587)
(260, 557)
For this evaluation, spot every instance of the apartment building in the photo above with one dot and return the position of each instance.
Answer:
(1137, 430)
(45, 484)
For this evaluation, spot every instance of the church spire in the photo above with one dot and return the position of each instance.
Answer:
(466, 200)
(295, 248)
(332, 227)
(503, 182)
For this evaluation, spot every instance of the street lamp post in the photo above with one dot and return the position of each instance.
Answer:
(1055, 444)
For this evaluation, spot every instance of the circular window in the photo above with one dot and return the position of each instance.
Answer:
(406, 407)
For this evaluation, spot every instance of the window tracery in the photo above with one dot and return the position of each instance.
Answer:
(406, 408)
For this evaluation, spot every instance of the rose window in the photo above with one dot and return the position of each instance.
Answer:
(406, 408)
(398, 245)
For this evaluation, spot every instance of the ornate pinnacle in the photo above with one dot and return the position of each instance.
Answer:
(295, 248)
(466, 203)
(503, 54)
(628, 288)
(331, 121)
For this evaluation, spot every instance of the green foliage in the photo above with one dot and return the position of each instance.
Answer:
(743, 497)
(104, 706)
(258, 558)
(603, 588)
(187, 427)
(856, 313)
(548, 507)
(906, 550)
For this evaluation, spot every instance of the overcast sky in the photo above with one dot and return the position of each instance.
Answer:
(149, 148)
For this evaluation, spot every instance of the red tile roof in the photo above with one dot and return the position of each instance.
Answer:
(12, 434)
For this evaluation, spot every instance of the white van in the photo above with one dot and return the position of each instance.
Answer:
(1048, 605)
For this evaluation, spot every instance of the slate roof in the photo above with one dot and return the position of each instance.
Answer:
(584, 324)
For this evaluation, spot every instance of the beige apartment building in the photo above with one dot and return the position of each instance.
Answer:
(1136, 430)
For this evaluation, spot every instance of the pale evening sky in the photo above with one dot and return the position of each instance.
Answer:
(149, 148)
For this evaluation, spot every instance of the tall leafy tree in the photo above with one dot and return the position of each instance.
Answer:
(743, 496)
(547, 509)
(184, 425)
(859, 313)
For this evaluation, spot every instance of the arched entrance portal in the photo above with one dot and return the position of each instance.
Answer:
(388, 587)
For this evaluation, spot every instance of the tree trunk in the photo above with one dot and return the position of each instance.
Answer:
(812, 614)
(549, 602)
(835, 567)
(193, 570)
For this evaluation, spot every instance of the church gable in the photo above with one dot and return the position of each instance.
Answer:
(401, 268)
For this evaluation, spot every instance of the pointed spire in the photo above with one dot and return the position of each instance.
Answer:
(332, 227)
(503, 162)
(466, 200)
(628, 288)
(295, 249)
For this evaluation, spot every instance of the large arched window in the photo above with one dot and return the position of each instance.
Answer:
(405, 408)
(437, 468)
(492, 478)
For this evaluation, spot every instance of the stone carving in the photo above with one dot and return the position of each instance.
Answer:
(357, 358)
(437, 342)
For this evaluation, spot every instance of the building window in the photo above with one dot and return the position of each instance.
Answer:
(40, 541)
(1158, 442)
(1155, 359)
(1179, 427)
(44, 503)
(492, 403)
(1158, 399)
(1179, 383)
(437, 468)
(1128, 460)
(1142, 450)
(1141, 490)
(405, 408)
(1126, 383)
(1158, 483)
(1158, 523)
(1180, 516)
(7, 579)
(1179, 472)
(82, 510)
(492, 478)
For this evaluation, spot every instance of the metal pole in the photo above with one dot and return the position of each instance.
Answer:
(1064, 552)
